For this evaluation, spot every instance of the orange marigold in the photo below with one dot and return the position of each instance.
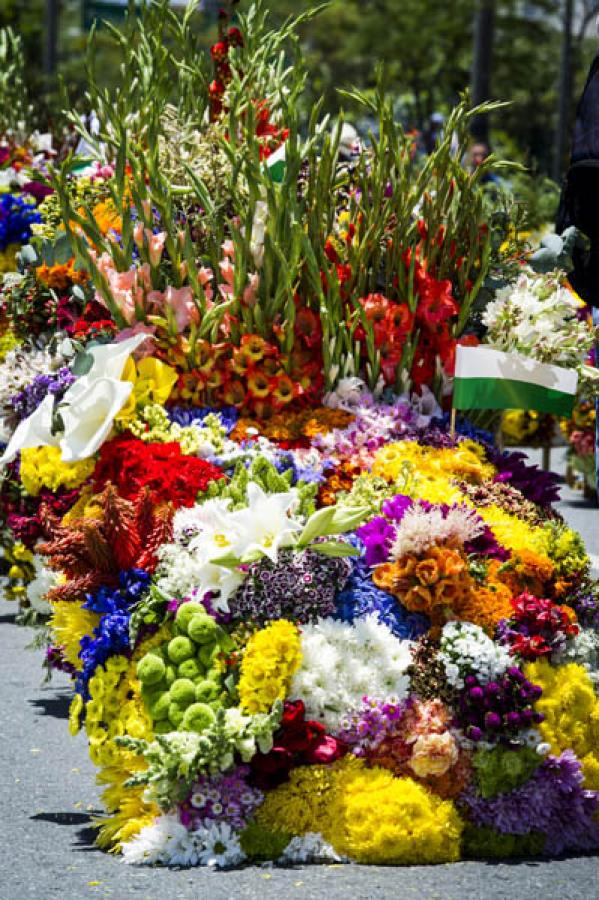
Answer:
(485, 606)
(526, 571)
(60, 276)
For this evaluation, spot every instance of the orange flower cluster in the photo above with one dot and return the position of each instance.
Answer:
(293, 426)
(255, 377)
(527, 571)
(486, 605)
(340, 481)
(436, 583)
(60, 277)
(439, 585)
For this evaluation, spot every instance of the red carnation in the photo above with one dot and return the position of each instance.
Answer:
(132, 465)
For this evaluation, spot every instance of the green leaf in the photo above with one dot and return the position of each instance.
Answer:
(335, 548)
(317, 525)
(82, 363)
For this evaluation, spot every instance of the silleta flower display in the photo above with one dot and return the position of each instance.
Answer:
(304, 620)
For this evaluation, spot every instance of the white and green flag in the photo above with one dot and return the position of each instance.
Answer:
(276, 164)
(490, 379)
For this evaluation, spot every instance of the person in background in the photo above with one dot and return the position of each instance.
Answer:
(479, 151)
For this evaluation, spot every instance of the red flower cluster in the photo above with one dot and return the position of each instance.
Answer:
(537, 627)
(132, 465)
(299, 741)
(24, 518)
(91, 323)
(391, 323)
(222, 69)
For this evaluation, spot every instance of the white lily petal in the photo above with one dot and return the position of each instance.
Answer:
(108, 362)
(88, 419)
(35, 431)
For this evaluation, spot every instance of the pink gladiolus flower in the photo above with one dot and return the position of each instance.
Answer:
(155, 246)
(181, 302)
(227, 270)
(228, 248)
(249, 294)
(138, 234)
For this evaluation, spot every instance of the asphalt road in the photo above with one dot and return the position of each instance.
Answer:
(48, 796)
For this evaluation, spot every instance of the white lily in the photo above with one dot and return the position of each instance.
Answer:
(266, 522)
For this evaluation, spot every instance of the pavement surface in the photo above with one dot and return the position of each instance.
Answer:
(48, 798)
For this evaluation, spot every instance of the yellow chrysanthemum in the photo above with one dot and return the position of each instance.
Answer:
(43, 467)
(69, 623)
(366, 814)
(465, 462)
(511, 531)
(271, 657)
(571, 710)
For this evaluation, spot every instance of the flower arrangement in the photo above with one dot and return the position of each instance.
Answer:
(303, 621)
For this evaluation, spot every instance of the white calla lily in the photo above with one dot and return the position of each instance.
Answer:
(35, 431)
(89, 416)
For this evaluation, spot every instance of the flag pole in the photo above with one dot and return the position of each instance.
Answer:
(452, 422)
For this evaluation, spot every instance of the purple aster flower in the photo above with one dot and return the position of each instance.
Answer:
(552, 802)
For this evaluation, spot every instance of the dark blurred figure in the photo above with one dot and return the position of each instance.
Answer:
(579, 204)
(432, 132)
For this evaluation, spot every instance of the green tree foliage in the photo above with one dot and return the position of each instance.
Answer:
(425, 46)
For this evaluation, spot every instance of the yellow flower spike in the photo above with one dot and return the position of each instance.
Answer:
(271, 657)
(75, 710)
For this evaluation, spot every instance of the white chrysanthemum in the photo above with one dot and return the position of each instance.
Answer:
(166, 842)
(309, 848)
(343, 663)
(221, 849)
(467, 650)
(420, 529)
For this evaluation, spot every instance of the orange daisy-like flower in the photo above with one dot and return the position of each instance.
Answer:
(284, 390)
(259, 385)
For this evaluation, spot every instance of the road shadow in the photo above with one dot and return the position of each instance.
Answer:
(56, 705)
(8, 619)
(85, 836)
